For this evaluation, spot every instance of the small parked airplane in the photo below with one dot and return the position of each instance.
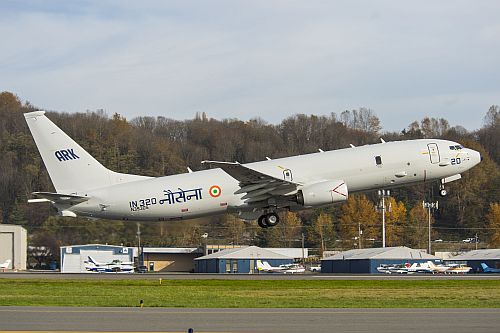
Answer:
(285, 269)
(251, 191)
(6, 264)
(437, 268)
(116, 266)
(487, 269)
(458, 269)
(266, 267)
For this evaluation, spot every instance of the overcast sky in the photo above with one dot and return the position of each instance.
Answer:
(244, 59)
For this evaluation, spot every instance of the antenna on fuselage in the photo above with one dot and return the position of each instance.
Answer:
(382, 140)
(352, 146)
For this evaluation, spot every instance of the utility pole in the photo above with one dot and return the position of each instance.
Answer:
(139, 257)
(383, 194)
(360, 232)
(303, 252)
(429, 206)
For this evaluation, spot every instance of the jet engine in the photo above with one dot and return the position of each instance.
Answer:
(322, 193)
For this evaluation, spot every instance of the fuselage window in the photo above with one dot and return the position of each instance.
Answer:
(378, 160)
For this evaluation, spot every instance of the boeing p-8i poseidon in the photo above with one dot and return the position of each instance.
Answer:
(252, 191)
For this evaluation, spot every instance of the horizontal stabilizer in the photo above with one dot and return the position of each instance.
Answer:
(60, 198)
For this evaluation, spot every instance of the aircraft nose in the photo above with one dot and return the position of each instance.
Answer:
(477, 156)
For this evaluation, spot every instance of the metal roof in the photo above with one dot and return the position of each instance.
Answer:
(248, 252)
(97, 245)
(175, 250)
(488, 254)
(400, 252)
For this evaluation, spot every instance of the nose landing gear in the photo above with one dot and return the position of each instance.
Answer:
(268, 220)
(442, 190)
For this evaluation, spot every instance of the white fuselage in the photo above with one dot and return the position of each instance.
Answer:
(210, 192)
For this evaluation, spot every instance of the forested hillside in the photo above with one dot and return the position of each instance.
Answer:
(157, 146)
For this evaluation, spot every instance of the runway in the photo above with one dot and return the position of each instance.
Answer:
(266, 276)
(67, 319)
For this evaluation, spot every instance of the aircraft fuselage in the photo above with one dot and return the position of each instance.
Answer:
(209, 192)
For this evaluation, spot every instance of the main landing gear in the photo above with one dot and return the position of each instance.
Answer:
(268, 220)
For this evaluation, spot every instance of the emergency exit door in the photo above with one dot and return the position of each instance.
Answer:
(433, 153)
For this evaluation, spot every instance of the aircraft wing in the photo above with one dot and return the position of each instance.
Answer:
(258, 186)
(59, 198)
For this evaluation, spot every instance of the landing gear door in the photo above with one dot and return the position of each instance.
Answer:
(433, 153)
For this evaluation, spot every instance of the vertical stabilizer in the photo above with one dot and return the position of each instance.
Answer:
(71, 169)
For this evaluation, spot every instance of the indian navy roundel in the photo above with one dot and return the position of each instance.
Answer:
(214, 191)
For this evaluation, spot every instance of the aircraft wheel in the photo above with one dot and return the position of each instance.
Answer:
(272, 219)
(443, 192)
(261, 221)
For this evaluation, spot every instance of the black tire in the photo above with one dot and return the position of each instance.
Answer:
(261, 221)
(272, 219)
(443, 192)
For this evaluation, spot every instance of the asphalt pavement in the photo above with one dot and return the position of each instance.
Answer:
(31, 319)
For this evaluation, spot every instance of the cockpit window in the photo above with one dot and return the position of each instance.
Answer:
(452, 147)
(457, 147)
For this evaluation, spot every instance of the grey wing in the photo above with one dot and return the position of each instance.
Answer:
(257, 186)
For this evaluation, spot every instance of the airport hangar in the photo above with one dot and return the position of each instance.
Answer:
(490, 257)
(367, 260)
(13, 246)
(239, 260)
(160, 259)
(74, 256)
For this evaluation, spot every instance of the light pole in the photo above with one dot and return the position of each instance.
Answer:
(139, 244)
(383, 194)
(360, 232)
(205, 246)
(429, 206)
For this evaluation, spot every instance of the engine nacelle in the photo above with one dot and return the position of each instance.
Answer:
(322, 193)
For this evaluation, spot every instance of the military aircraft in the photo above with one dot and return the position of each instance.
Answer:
(251, 191)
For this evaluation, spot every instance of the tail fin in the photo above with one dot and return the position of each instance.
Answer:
(484, 266)
(6, 264)
(71, 169)
(92, 261)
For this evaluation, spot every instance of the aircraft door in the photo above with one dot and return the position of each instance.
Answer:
(433, 153)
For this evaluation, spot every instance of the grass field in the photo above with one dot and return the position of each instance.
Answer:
(253, 294)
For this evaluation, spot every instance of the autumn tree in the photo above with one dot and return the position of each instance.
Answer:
(417, 229)
(286, 233)
(359, 213)
(395, 221)
(233, 229)
(493, 217)
(322, 232)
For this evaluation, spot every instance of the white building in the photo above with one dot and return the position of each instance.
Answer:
(74, 256)
(13, 246)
